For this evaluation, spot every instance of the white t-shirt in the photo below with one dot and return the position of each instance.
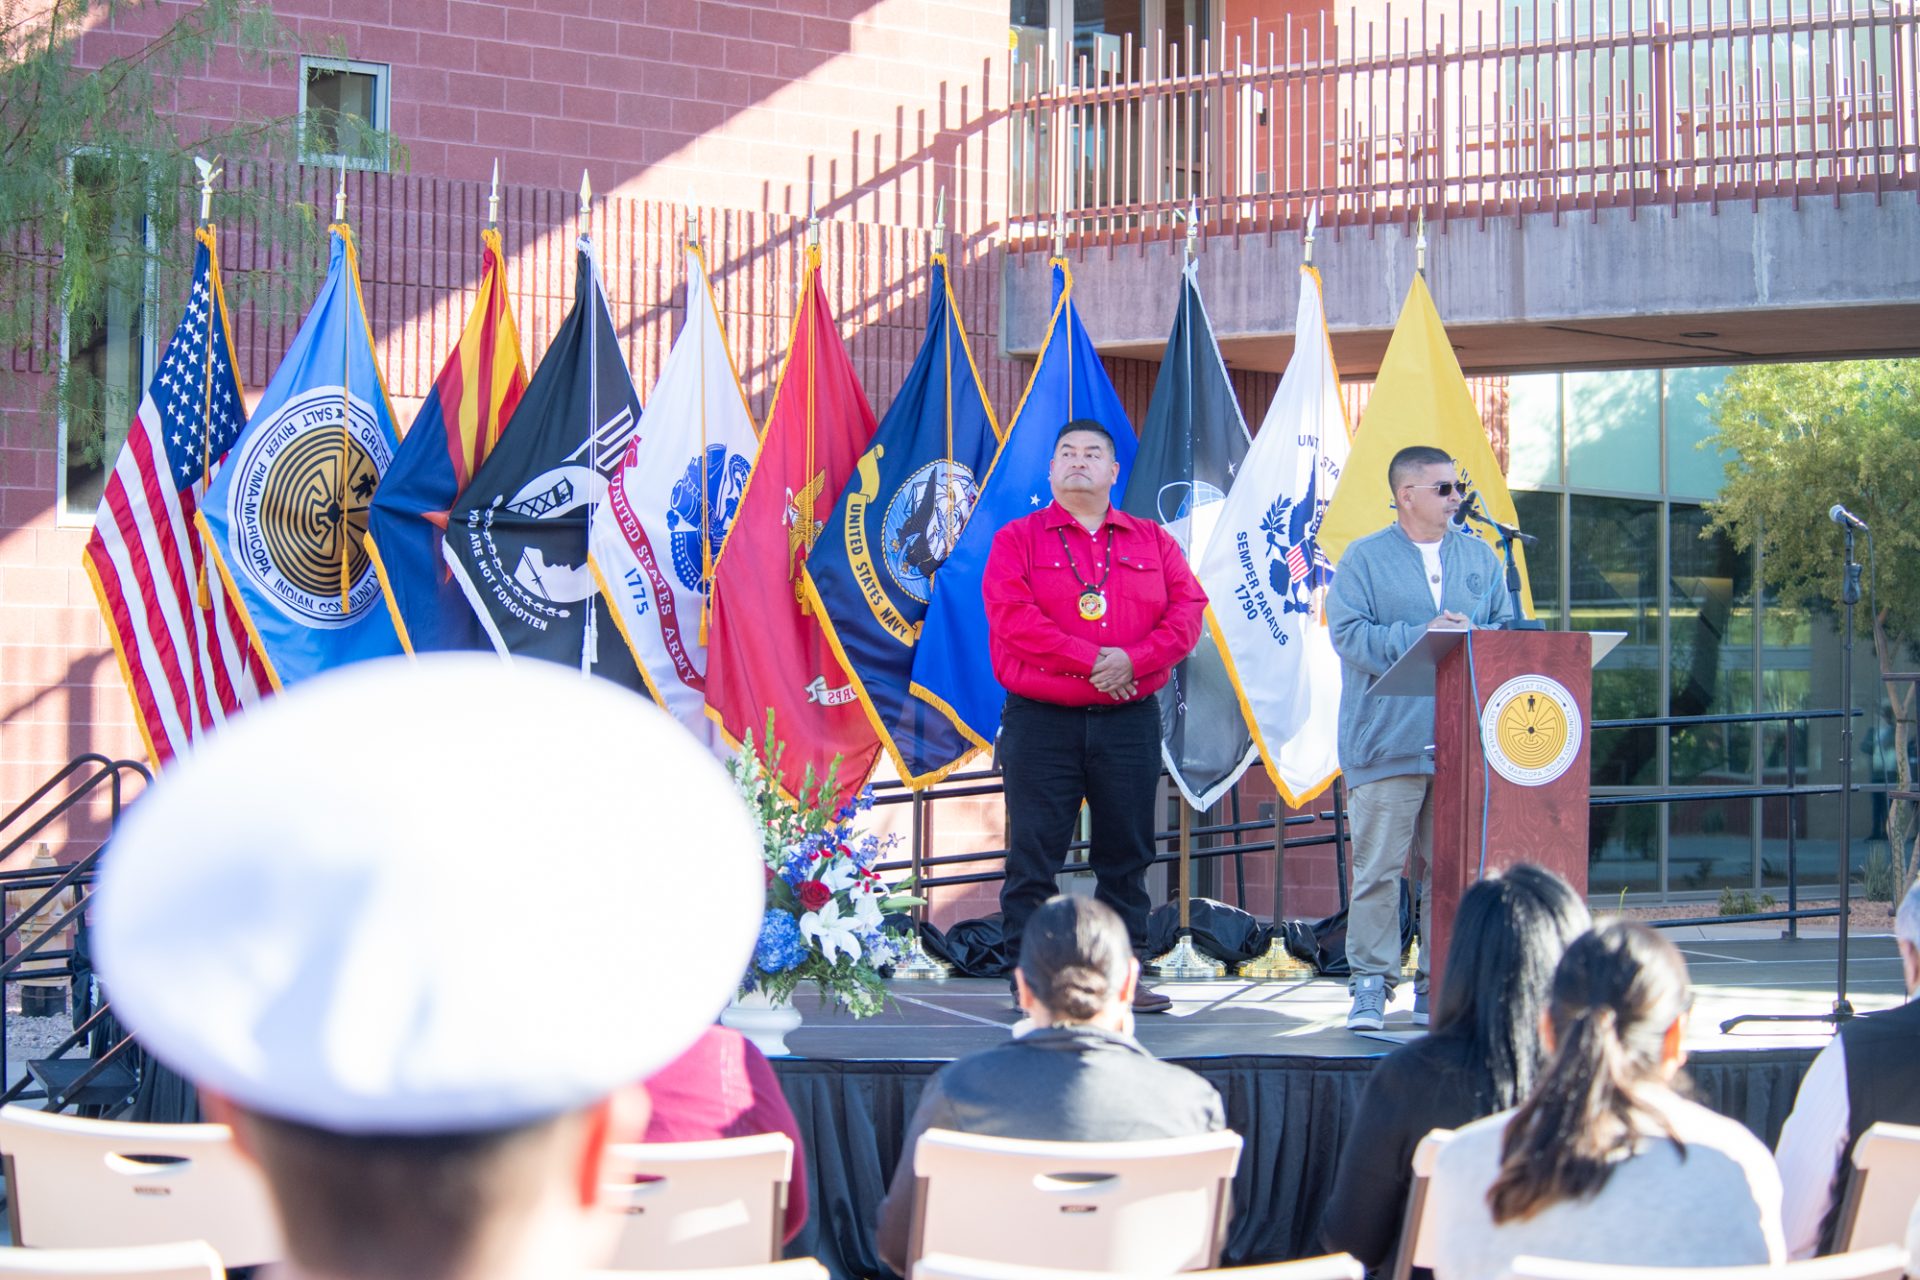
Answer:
(1430, 553)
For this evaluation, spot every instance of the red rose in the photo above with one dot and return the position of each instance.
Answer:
(814, 895)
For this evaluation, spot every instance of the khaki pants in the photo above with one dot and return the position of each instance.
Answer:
(1392, 821)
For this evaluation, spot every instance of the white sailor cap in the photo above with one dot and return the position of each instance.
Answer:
(433, 895)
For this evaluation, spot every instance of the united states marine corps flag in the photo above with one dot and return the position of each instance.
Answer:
(471, 401)
(1191, 445)
(871, 573)
(670, 501)
(768, 650)
(517, 535)
(286, 518)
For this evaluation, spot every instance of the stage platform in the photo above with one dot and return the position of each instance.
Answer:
(1289, 1072)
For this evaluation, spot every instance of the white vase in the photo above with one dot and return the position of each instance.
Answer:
(760, 1020)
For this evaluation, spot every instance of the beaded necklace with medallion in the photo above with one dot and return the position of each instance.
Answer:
(1093, 596)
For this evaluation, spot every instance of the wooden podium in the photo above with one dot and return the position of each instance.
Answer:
(1510, 733)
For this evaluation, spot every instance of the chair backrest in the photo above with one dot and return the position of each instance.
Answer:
(708, 1204)
(1138, 1207)
(182, 1260)
(85, 1184)
(1416, 1234)
(792, 1269)
(944, 1266)
(1888, 1262)
(1882, 1188)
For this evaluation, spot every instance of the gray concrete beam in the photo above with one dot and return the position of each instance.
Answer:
(1829, 279)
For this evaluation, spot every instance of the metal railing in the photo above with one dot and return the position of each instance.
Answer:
(1495, 112)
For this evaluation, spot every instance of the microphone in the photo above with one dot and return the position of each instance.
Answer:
(1843, 517)
(1469, 501)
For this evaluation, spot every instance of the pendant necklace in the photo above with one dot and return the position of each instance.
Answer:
(1093, 597)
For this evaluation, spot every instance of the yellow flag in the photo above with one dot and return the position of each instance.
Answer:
(1420, 397)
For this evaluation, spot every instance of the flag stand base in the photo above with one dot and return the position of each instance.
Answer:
(1276, 962)
(916, 962)
(1186, 963)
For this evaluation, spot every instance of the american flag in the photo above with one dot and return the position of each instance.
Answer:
(187, 667)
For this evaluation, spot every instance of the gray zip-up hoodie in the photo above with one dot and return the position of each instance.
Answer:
(1378, 608)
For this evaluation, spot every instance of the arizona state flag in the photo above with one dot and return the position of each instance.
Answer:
(872, 571)
(471, 401)
(285, 519)
(1191, 447)
(766, 649)
(952, 669)
(1420, 397)
(517, 535)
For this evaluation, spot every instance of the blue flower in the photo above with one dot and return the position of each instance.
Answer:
(780, 946)
(798, 860)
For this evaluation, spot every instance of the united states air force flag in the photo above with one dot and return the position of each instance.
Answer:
(1191, 446)
(1266, 575)
(951, 668)
(286, 517)
(871, 573)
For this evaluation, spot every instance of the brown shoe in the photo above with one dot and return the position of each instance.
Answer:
(1146, 1001)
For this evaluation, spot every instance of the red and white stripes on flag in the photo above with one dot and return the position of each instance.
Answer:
(183, 649)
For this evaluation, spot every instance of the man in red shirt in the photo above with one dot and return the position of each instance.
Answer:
(1088, 610)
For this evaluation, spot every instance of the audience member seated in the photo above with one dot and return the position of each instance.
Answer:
(1509, 933)
(723, 1087)
(320, 917)
(1605, 1161)
(1077, 1076)
(1869, 1071)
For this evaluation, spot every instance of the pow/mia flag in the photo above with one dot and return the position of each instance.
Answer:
(1191, 445)
(1266, 574)
(517, 535)
(871, 573)
(286, 517)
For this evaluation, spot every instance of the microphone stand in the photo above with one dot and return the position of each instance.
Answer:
(1508, 535)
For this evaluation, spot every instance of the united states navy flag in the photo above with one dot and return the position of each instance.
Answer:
(1191, 445)
(872, 571)
(951, 668)
(517, 534)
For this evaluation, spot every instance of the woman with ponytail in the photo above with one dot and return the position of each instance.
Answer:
(1605, 1161)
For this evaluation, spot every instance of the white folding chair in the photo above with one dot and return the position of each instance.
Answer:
(1882, 1188)
(1416, 1236)
(1158, 1206)
(1888, 1262)
(793, 1269)
(709, 1204)
(182, 1260)
(944, 1266)
(83, 1184)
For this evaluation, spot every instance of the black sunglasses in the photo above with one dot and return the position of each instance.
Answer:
(1444, 488)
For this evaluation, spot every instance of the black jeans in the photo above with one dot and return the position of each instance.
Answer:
(1054, 757)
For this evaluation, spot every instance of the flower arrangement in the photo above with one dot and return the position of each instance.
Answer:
(826, 908)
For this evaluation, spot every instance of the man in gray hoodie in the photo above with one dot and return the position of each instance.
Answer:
(1420, 573)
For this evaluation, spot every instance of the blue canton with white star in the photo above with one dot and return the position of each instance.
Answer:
(181, 384)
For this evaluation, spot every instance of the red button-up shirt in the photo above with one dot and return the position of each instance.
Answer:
(1042, 648)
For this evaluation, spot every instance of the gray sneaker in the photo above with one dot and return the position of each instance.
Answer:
(1420, 1009)
(1369, 1012)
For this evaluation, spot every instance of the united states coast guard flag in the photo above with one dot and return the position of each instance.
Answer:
(517, 536)
(471, 401)
(952, 670)
(286, 518)
(182, 644)
(671, 499)
(1265, 573)
(872, 572)
(1191, 445)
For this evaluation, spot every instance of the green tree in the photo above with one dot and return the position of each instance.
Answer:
(1804, 437)
(97, 184)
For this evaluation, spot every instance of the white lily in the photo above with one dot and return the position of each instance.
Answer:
(866, 906)
(839, 874)
(833, 935)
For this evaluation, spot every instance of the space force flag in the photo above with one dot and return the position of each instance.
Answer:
(872, 572)
(1191, 446)
(952, 670)
(517, 535)
(286, 518)
(464, 414)
(1419, 397)
(187, 661)
(672, 497)
(1266, 576)
(769, 652)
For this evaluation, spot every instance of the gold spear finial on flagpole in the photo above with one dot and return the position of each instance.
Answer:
(1313, 224)
(586, 194)
(813, 219)
(493, 196)
(340, 194)
(940, 222)
(1193, 226)
(693, 222)
(1420, 246)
